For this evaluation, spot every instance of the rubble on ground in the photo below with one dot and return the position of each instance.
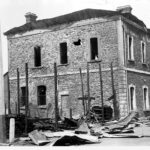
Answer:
(83, 131)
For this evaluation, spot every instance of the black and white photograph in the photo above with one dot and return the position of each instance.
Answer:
(74, 73)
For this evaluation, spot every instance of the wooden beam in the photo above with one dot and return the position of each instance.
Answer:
(56, 97)
(2, 102)
(82, 90)
(18, 90)
(101, 90)
(8, 86)
(88, 88)
(27, 99)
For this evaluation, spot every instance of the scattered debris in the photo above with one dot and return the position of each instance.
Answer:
(38, 138)
(83, 129)
(72, 140)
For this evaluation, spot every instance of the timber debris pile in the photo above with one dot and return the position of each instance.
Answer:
(79, 131)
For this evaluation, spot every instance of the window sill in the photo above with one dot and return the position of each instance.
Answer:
(131, 60)
(94, 61)
(42, 106)
(40, 67)
(62, 65)
(146, 109)
(144, 64)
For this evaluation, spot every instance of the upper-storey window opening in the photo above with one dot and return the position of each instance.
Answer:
(41, 91)
(130, 48)
(63, 53)
(143, 52)
(94, 48)
(37, 56)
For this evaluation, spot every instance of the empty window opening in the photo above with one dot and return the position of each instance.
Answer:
(77, 43)
(143, 50)
(132, 98)
(37, 56)
(63, 53)
(130, 48)
(145, 98)
(94, 48)
(41, 91)
(23, 96)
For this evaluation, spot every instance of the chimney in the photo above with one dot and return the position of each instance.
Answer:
(124, 9)
(30, 17)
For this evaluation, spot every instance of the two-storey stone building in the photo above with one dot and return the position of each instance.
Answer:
(72, 40)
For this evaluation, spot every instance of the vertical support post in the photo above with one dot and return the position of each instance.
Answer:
(8, 84)
(27, 99)
(88, 88)
(70, 113)
(82, 91)
(101, 88)
(18, 90)
(113, 92)
(2, 103)
(56, 100)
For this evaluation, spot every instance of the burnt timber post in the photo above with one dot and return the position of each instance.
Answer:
(82, 91)
(27, 99)
(2, 103)
(88, 88)
(8, 84)
(56, 98)
(18, 90)
(101, 87)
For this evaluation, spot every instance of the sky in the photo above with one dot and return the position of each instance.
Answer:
(12, 12)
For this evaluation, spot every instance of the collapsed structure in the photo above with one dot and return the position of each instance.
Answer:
(72, 40)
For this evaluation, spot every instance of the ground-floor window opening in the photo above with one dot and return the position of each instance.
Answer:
(145, 97)
(132, 98)
(41, 95)
(23, 96)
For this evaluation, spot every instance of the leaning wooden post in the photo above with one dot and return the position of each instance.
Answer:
(101, 88)
(55, 92)
(27, 99)
(8, 87)
(114, 93)
(18, 90)
(82, 90)
(2, 103)
(88, 87)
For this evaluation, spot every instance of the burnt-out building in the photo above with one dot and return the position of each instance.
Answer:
(71, 41)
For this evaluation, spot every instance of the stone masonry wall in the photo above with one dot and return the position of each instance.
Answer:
(21, 50)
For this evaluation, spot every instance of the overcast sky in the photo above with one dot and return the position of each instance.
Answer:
(12, 12)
